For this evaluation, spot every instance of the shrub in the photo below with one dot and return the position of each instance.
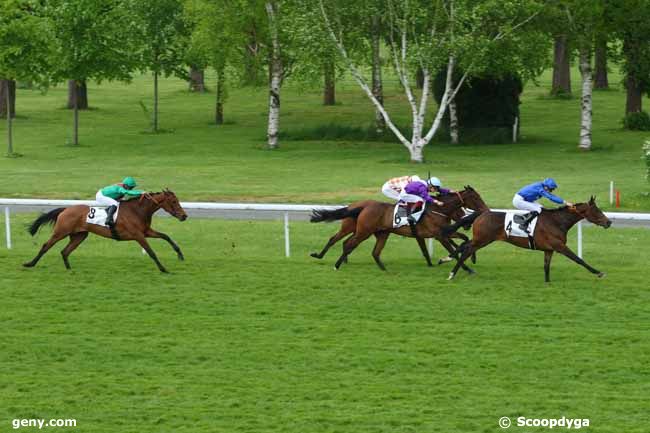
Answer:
(484, 104)
(646, 156)
(637, 121)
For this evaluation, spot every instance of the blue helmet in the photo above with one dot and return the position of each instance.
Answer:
(549, 183)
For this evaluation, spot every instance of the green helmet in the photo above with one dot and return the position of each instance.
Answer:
(130, 182)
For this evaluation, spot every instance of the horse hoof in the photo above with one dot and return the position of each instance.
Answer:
(602, 275)
(316, 256)
(28, 265)
(451, 276)
(471, 271)
(181, 257)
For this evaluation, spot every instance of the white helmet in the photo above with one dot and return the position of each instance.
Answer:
(434, 181)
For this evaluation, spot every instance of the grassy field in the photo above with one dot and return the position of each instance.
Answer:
(201, 161)
(240, 339)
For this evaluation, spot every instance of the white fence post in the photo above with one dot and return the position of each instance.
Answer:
(580, 239)
(287, 248)
(611, 192)
(8, 227)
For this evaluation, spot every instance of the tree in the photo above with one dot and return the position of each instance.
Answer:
(630, 22)
(217, 41)
(163, 40)
(25, 37)
(601, 80)
(7, 98)
(584, 19)
(443, 35)
(93, 41)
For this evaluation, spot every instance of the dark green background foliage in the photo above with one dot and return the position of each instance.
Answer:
(487, 106)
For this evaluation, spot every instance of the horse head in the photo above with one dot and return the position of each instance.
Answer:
(167, 201)
(592, 213)
(473, 200)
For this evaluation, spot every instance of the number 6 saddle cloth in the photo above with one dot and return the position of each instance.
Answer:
(97, 215)
(399, 214)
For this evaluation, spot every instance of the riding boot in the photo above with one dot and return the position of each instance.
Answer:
(527, 220)
(110, 211)
(411, 219)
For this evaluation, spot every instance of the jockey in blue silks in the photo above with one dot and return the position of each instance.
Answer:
(527, 196)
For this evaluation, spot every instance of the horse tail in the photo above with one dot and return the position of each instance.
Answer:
(49, 217)
(320, 215)
(465, 221)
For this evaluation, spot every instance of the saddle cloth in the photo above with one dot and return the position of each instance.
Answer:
(511, 224)
(97, 215)
(399, 214)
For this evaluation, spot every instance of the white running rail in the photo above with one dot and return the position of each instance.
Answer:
(9, 203)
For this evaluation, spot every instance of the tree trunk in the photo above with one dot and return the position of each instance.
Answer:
(329, 90)
(220, 90)
(155, 101)
(561, 68)
(197, 80)
(453, 122)
(419, 77)
(600, 80)
(75, 133)
(80, 91)
(634, 100)
(586, 100)
(275, 83)
(377, 86)
(7, 97)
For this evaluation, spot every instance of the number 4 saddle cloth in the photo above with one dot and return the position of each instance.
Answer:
(512, 226)
(97, 215)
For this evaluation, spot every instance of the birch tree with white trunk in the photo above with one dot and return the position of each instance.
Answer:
(584, 18)
(430, 36)
(275, 72)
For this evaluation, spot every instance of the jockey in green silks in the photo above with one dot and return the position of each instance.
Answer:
(110, 196)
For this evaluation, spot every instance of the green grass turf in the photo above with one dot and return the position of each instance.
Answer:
(240, 339)
(201, 161)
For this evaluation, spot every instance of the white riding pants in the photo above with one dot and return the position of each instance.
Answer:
(519, 202)
(102, 200)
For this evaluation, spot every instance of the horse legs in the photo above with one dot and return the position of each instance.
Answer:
(350, 244)
(145, 245)
(566, 251)
(75, 240)
(548, 255)
(151, 233)
(382, 237)
(56, 237)
(346, 228)
(445, 243)
(466, 250)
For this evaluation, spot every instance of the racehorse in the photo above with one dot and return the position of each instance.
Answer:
(549, 236)
(133, 223)
(372, 217)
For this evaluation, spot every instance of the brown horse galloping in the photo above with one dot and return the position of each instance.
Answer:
(371, 217)
(133, 223)
(550, 233)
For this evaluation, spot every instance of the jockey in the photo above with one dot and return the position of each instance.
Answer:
(417, 191)
(526, 197)
(111, 195)
(393, 187)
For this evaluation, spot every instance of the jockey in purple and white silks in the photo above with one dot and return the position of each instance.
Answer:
(527, 196)
(418, 191)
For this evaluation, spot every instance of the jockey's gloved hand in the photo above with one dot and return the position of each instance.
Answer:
(438, 203)
(568, 203)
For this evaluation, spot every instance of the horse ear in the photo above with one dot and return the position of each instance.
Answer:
(592, 199)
